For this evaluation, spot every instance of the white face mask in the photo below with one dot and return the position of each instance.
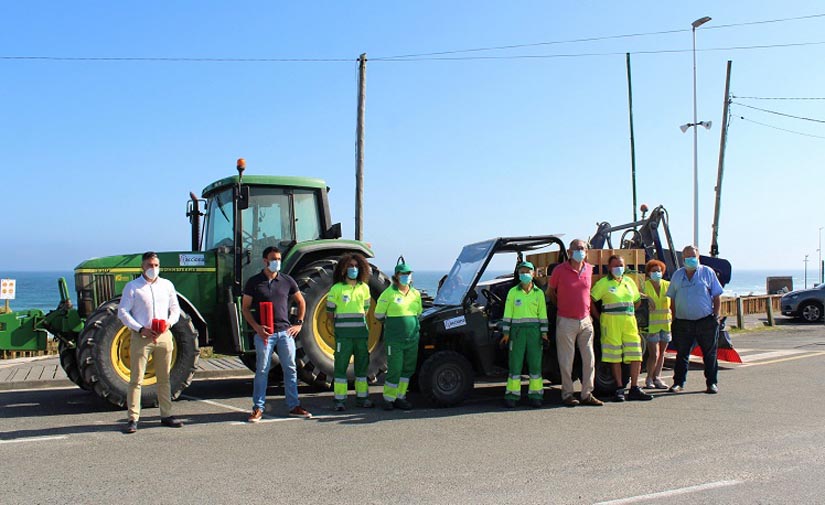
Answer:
(274, 266)
(152, 273)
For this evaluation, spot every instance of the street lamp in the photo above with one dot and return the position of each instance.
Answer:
(821, 280)
(699, 22)
(806, 271)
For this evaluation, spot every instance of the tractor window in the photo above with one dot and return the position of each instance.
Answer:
(219, 220)
(307, 222)
(267, 220)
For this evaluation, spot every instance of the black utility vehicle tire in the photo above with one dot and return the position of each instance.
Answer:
(99, 372)
(446, 378)
(315, 365)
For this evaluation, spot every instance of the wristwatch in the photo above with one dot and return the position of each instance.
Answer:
(299, 322)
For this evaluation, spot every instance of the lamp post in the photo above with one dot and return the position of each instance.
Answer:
(806, 271)
(821, 280)
(696, 24)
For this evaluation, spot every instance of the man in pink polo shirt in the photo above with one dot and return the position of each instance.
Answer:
(569, 290)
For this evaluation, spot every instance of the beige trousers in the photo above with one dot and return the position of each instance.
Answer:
(569, 334)
(140, 349)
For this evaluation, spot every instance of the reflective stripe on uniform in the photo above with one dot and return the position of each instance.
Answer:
(358, 324)
(361, 387)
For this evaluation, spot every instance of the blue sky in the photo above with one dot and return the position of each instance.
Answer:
(98, 157)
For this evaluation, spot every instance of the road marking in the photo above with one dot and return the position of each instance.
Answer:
(672, 492)
(780, 360)
(216, 404)
(769, 355)
(282, 419)
(33, 439)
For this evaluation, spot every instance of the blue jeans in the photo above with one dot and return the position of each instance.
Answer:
(686, 334)
(285, 346)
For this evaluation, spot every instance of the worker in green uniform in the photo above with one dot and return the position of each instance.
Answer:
(348, 302)
(398, 309)
(525, 326)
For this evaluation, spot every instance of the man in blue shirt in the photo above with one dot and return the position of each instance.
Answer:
(696, 295)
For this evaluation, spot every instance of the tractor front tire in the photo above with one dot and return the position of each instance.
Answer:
(446, 378)
(69, 363)
(315, 346)
(103, 350)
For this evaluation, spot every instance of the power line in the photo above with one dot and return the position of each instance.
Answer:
(779, 113)
(183, 59)
(782, 129)
(594, 39)
(777, 98)
(579, 55)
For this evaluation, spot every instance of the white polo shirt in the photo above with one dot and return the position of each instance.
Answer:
(143, 301)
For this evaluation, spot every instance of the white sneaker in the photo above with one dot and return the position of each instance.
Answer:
(658, 384)
(649, 383)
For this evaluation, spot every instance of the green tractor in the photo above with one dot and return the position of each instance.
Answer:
(234, 221)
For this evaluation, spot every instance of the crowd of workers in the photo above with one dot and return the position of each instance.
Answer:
(685, 309)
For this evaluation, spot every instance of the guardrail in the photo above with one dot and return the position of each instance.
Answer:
(744, 305)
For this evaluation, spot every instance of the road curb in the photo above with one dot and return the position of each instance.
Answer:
(61, 383)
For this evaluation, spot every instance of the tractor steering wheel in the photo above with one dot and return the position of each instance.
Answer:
(491, 297)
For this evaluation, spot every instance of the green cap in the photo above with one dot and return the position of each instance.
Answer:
(403, 268)
(525, 264)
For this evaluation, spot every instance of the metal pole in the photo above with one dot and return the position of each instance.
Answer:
(723, 140)
(632, 143)
(806, 271)
(820, 256)
(359, 148)
(695, 152)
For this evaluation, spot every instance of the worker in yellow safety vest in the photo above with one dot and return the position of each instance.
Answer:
(398, 308)
(348, 302)
(658, 325)
(620, 338)
(525, 326)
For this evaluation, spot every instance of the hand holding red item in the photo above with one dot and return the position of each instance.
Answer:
(267, 319)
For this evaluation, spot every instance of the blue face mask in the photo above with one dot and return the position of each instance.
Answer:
(691, 263)
(404, 279)
(617, 271)
(579, 255)
(352, 272)
(656, 276)
(525, 278)
(274, 266)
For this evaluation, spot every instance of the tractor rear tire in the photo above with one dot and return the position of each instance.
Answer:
(103, 354)
(69, 363)
(276, 373)
(314, 355)
(446, 378)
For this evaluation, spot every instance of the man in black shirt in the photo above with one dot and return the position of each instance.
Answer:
(276, 288)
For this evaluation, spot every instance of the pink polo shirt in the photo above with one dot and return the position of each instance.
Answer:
(572, 290)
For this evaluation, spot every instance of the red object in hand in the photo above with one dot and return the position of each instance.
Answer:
(159, 325)
(266, 316)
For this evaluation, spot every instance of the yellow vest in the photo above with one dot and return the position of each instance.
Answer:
(660, 316)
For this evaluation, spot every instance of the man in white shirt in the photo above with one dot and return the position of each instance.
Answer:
(149, 307)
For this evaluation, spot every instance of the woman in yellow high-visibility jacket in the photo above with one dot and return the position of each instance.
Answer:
(658, 327)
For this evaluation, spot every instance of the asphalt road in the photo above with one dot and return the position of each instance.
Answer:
(761, 440)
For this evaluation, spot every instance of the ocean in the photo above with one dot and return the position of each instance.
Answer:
(38, 290)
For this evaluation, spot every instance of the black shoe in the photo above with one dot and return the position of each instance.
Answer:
(387, 405)
(403, 404)
(712, 389)
(131, 427)
(510, 404)
(364, 403)
(339, 405)
(619, 396)
(534, 402)
(171, 422)
(636, 394)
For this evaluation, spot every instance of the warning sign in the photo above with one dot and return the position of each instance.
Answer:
(7, 288)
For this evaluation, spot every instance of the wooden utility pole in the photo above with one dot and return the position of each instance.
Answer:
(723, 140)
(632, 142)
(359, 148)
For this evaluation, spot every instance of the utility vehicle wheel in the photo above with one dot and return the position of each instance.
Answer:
(276, 373)
(811, 312)
(68, 361)
(103, 350)
(316, 344)
(446, 378)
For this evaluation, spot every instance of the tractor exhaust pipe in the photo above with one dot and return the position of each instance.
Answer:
(194, 214)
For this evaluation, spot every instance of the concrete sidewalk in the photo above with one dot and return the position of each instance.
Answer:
(46, 372)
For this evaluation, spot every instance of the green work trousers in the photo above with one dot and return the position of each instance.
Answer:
(525, 340)
(345, 348)
(402, 357)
